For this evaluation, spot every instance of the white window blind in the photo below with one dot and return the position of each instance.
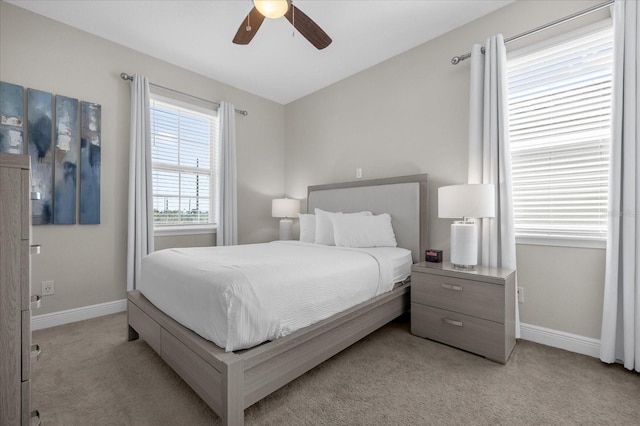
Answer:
(183, 146)
(559, 129)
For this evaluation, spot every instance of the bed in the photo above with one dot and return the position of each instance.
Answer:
(229, 382)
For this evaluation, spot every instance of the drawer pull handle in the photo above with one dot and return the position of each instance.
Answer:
(35, 195)
(452, 287)
(35, 301)
(35, 351)
(35, 418)
(35, 249)
(452, 322)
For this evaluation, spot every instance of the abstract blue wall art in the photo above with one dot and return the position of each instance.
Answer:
(11, 118)
(40, 135)
(90, 128)
(66, 153)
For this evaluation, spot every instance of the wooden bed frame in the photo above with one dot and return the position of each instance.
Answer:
(229, 382)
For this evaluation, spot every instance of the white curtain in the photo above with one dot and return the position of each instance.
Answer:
(620, 338)
(489, 153)
(227, 232)
(140, 239)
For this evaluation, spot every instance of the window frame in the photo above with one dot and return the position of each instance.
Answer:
(554, 240)
(195, 228)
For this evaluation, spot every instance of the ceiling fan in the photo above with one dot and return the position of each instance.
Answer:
(276, 9)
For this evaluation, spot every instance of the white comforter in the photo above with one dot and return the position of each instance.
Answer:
(241, 296)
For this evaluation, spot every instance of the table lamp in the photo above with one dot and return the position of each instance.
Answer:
(285, 208)
(467, 202)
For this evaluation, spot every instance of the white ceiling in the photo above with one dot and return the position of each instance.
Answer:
(197, 35)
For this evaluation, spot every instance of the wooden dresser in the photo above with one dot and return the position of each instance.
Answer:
(472, 310)
(16, 350)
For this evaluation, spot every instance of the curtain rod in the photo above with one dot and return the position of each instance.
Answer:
(126, 76)
(457, 59)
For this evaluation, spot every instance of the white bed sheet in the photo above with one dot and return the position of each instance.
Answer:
(241, 296)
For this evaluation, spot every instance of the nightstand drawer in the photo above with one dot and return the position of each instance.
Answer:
(474, 298)
(462, 331)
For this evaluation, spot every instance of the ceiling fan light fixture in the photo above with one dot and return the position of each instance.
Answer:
(267, 9)
(272, 8)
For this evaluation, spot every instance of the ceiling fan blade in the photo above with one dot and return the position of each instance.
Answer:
(253, 21)
(309, 29)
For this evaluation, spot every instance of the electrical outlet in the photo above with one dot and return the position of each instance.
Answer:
(520, 295)
(47, 288)
(358, 173)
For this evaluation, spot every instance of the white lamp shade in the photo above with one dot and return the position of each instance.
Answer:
(285, 207)
(272, 8)
(471, 200)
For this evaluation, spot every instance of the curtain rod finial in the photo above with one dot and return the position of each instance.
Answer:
(455, 60)
(125, 76)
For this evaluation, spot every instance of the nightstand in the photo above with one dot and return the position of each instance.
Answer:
(473, 310)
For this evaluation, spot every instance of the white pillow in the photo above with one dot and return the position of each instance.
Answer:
(324, 225)
(364, 231)
(307, 228)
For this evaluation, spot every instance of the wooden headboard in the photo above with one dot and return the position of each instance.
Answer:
(405, 198)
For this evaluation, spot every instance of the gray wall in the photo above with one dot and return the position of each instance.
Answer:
(171, 241)
(406, 115)
(409, 115)
(88, 263)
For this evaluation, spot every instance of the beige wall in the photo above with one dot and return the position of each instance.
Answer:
(88, 263)
(406, 115)
(172, 241)
(409, 115)
(563, 288)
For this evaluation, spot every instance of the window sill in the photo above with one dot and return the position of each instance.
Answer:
(563, 242)
(170, 230)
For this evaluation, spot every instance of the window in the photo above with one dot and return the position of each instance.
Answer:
(183, 139)
(559, 128)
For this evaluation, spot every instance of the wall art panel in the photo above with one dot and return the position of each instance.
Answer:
(90, 146)
(40, 135)
(66, 152)
(11, 118)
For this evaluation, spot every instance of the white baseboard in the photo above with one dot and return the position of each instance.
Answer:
(39, 322)
(560, 339)
(545, 336)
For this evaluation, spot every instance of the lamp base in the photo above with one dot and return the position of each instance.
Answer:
(464, 267)
(286, 232)
(464, 244)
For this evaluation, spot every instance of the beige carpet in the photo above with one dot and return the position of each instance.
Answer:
(89, 374)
